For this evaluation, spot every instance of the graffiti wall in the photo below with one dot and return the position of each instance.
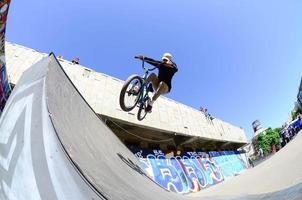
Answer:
(4, 85)
(190, 171)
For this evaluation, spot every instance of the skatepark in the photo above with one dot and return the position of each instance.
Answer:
(64, 135)
(47, 153)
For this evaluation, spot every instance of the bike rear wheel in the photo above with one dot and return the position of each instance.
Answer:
(141, 114)
(130, 93)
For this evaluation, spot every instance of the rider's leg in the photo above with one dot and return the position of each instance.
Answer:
(161, 89)
(154, 80)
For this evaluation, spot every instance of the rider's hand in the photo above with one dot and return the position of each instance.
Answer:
(141, 57)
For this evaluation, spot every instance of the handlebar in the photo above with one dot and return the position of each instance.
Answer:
(143, 65)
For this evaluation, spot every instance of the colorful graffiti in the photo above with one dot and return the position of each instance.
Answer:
(4, 85)
(191, 171)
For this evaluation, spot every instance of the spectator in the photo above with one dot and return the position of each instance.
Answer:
(296, 130)
(261, 154)
(283, 137)
(290, 132)
(250, 162)
(76, 60)
(274, 149)
(207, 114)
(201, 109)
(286, 135)
(281, 140)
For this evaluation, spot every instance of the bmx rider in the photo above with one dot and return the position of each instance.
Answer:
(161, 83)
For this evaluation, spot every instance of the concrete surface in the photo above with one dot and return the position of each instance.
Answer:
(168, 115)
(280, 172)
(32, 163)
(53, 146)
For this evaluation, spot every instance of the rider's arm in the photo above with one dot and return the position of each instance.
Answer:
(153, 62)
(175, 67)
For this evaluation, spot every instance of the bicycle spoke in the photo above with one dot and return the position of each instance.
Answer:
(132, 95)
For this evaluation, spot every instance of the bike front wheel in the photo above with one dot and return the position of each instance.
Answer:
(130, 92)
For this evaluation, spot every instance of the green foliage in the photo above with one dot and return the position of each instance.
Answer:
(295, 113)
(267, 139)
(263, 143)
(278, 130)
(273, 137)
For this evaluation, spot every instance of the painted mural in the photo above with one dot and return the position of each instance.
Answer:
(4, 85)
(190, 171)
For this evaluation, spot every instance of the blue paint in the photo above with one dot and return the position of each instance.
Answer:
(191, 171)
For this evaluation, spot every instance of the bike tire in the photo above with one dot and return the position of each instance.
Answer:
(141, 114)
(123, 93)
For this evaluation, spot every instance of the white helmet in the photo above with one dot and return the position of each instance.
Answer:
(167, 56)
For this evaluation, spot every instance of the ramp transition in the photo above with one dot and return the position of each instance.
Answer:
(53, 146)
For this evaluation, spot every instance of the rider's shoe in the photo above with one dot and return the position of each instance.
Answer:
(148, 109)
(135, 90)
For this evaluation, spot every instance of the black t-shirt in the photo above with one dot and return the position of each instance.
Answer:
(165, 72)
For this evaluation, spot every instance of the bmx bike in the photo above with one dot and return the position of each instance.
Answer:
(135, 92)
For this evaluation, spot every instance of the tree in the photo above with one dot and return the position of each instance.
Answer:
(267, 139)
(273, 137)
(263, 143)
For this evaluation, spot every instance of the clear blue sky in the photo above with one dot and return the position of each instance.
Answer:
(240, 59)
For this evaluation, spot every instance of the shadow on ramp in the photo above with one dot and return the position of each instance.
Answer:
(53, 146)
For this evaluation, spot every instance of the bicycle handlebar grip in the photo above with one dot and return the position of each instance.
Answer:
(137, 57)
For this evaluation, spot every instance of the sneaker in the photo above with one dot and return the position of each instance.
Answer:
(135, 90)
(148, 109)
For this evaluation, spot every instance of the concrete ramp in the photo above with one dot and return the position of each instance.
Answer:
(33, 164)
(53, 146)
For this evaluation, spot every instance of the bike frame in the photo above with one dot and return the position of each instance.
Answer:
(143, 93)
